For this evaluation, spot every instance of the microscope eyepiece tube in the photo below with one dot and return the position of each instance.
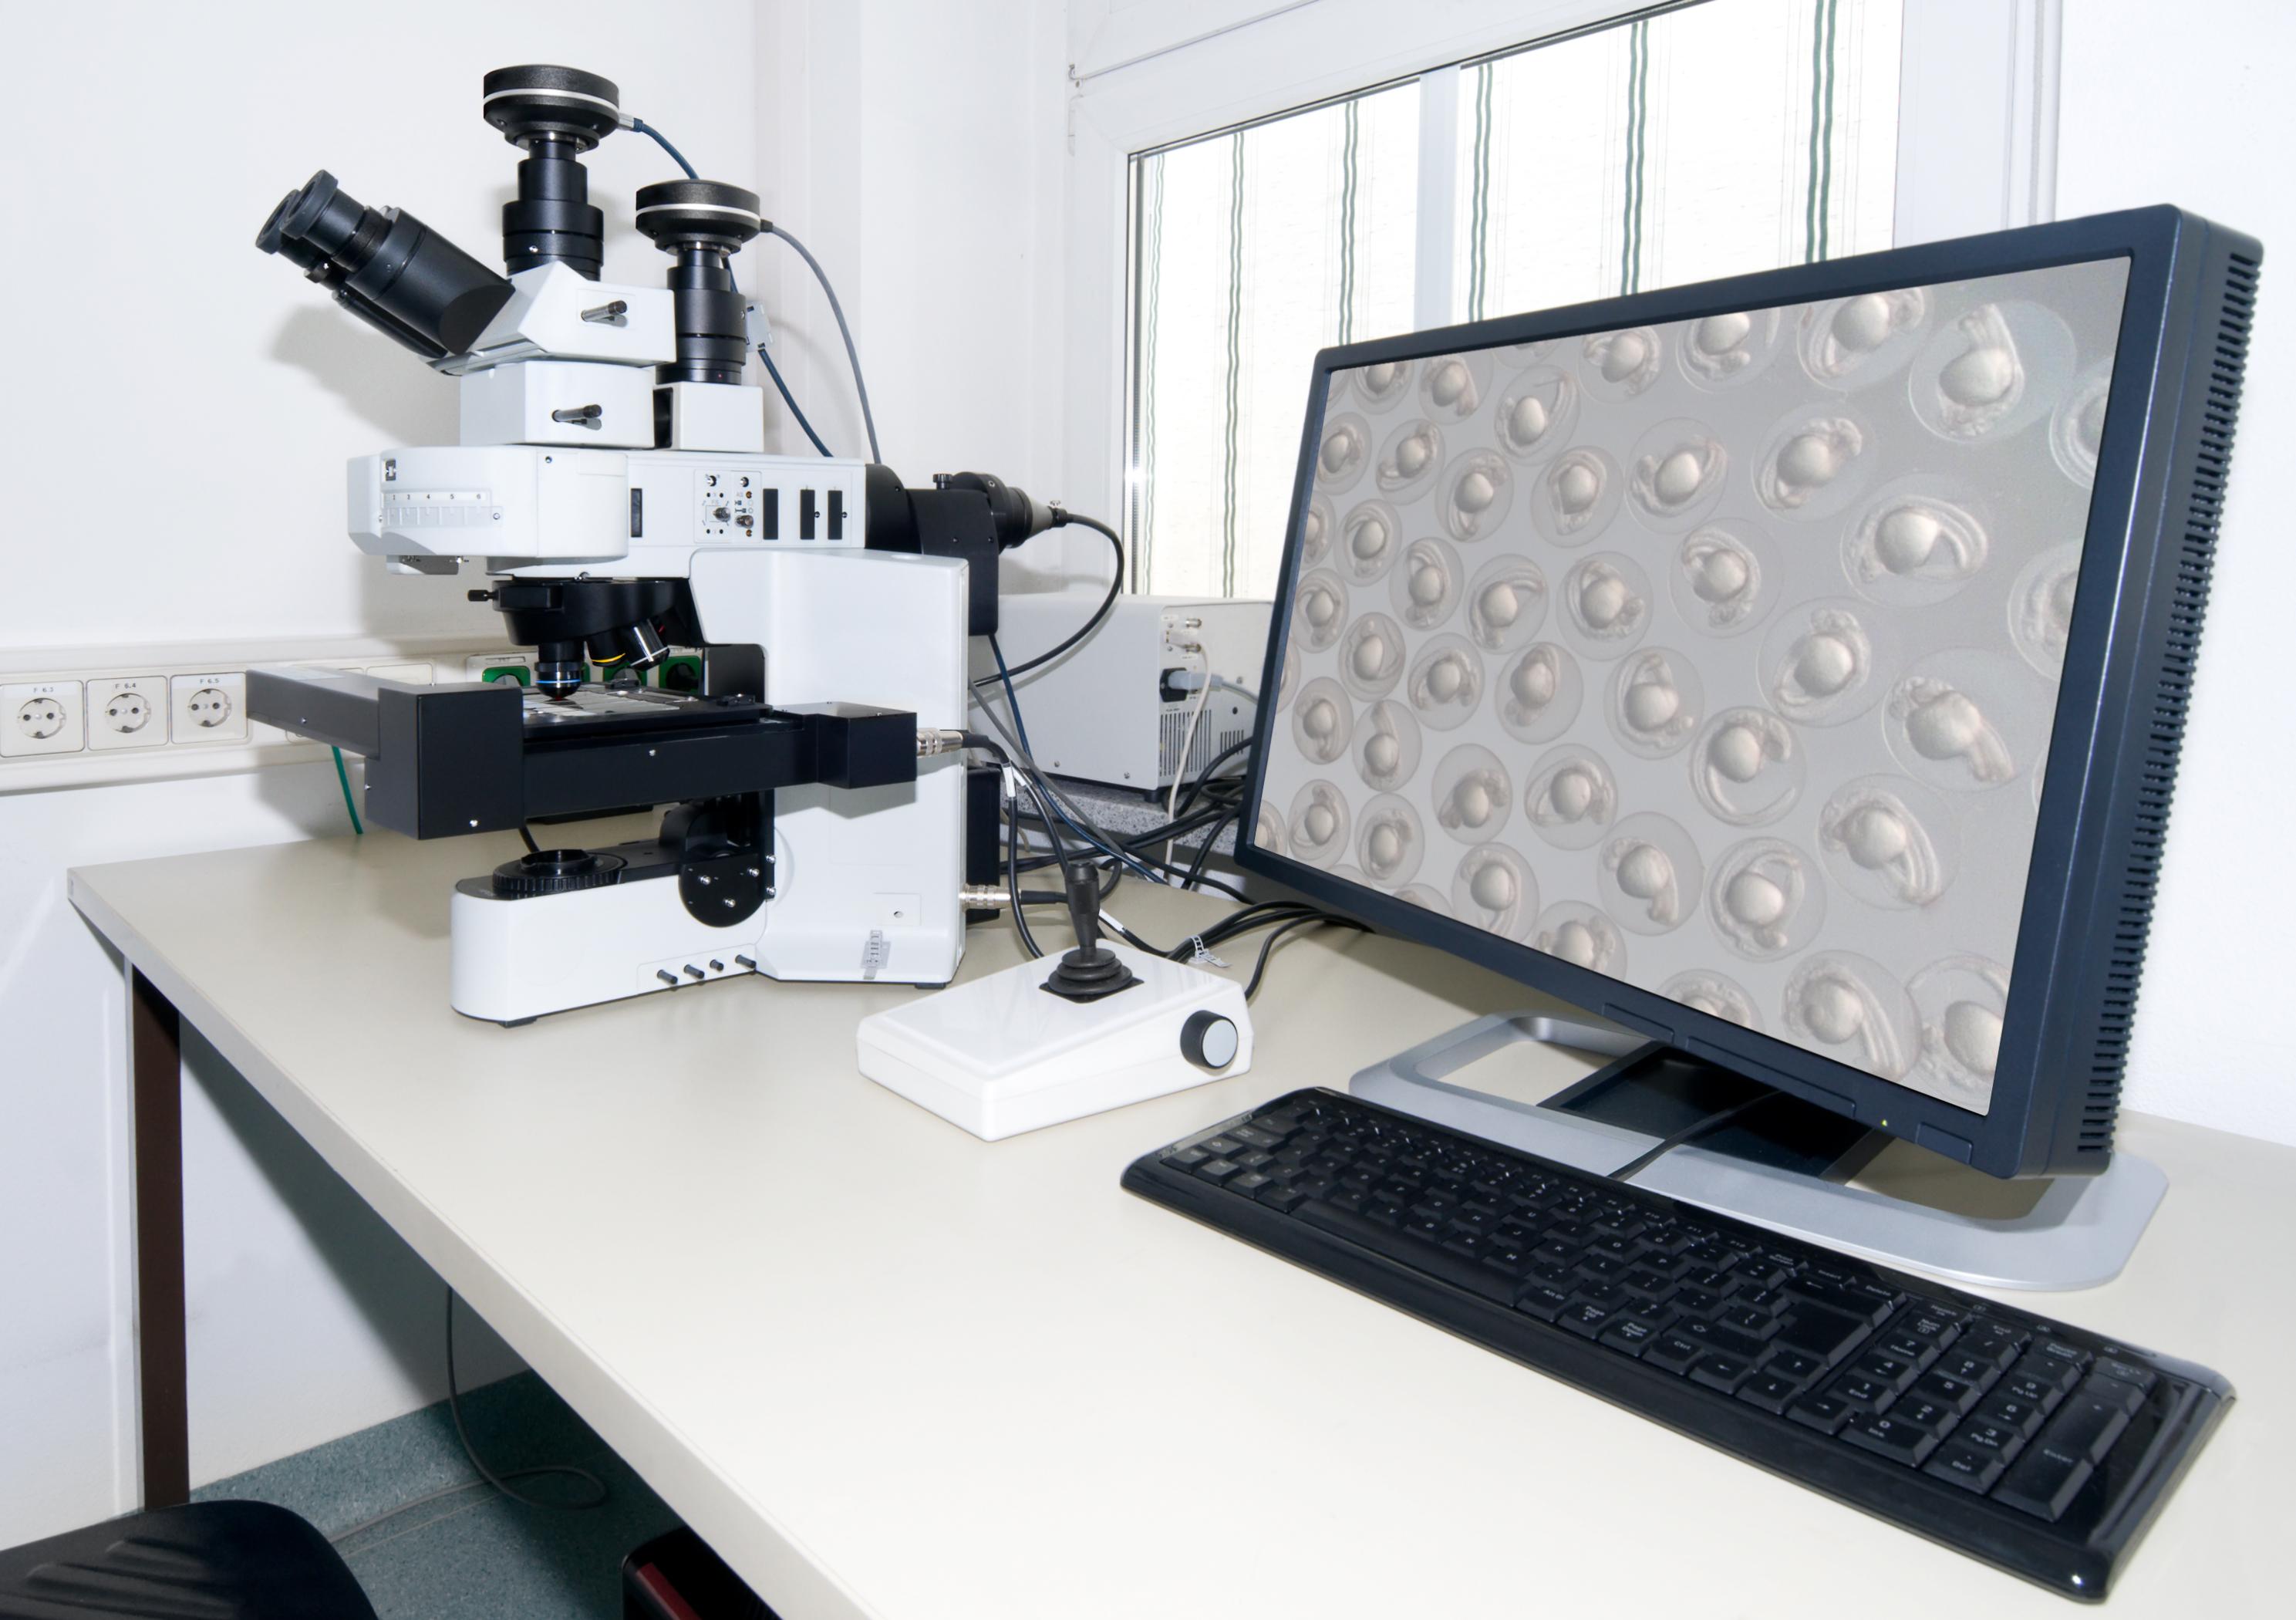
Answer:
(386, 267)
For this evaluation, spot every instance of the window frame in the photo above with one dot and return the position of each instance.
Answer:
(1152, 75)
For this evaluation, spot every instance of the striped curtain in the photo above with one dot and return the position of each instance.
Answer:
(1707, 141)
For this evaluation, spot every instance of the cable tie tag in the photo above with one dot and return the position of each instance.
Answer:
(1203, 957)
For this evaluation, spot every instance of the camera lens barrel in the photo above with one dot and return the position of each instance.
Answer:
(702, 222)
(386, 267)
(556, 114)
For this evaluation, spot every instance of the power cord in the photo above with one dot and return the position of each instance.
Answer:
(487, 1477)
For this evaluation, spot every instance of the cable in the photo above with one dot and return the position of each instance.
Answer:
(1180, 767)
(868, 418)
(1690, 1133)
(773, 370)
(1013, 877)
(486, 1479)
(343, 775)
(455, 1409)
(789, 399)
(1268, 948)
(662, 140)
(1204, 850)
(1107, 602)
(532, 848)
(1012, 698)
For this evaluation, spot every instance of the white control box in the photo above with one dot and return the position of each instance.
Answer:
(1002, 1055)
(1116, 709)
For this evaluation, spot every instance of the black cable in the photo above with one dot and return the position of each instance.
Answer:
(1268, 946)
(852, 355)
(1204, 851)
(1107, 602)
(789, 399)
(1690, 1133)
(455, 1409)
(1012, 879)
(532, 848)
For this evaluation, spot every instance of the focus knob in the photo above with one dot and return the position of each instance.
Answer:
(1210, 1040)
(554, 872)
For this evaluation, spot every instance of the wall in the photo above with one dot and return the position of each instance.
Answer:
(175, 417)
(918, 150)
(2198, 115)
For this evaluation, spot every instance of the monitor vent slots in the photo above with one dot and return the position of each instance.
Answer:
(2195, 558)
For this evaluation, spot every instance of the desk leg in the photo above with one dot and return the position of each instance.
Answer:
(155, 1059)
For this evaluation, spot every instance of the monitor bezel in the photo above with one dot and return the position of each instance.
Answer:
(2043, 1073)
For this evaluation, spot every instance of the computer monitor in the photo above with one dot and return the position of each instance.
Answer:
(1790, 668)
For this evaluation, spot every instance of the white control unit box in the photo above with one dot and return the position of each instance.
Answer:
(1116, 709)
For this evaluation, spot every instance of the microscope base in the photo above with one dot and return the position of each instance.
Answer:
(517, 959)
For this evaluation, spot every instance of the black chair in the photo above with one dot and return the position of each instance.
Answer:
(208, 1561)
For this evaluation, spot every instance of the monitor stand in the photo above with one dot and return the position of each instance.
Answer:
(1769, 1158)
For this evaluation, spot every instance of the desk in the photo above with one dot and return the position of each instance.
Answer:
(888, 1369)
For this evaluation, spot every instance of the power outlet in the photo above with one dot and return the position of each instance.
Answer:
(128, 711)
(42, 717)
(208, 708)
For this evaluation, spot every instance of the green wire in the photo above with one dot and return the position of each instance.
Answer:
(344, 776)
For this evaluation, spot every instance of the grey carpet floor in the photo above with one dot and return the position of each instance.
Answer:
(472, 1553)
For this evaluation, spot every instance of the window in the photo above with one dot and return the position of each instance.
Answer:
(1701, 141)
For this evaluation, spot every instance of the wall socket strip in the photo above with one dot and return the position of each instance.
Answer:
(82, 717)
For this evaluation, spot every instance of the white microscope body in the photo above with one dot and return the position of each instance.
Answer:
(611, 481)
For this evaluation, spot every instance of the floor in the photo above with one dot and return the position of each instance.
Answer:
(470, 1553)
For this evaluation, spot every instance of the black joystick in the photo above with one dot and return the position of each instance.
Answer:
(1091, 970)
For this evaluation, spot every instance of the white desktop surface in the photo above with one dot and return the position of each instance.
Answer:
(889, 1369)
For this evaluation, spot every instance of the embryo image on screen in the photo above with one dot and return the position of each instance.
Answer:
(1719, 657)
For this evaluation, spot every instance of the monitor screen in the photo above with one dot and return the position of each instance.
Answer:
(1719, 657)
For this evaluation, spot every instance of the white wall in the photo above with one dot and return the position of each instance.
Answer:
(177, 407)
(917, 148)
(173, 424)
(2199, 114)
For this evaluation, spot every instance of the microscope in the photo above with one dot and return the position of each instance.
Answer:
(611, 481)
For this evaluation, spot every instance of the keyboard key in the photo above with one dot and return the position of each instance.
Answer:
(1824, 1413)
(2086, 1426)
(1219, 1170)
(1721, 1372)
(1864, 1392)
(1923, 1414)
(1249, 1182)
(1630, 1333)
(1950, 1393)
(2138, 1376)
(2127, 1396)
(1768, 1391)
(2024, 1418)
(1279, 1197)
(1975, 1470)
(1793, 1364)
(2002, 1440)
(1587, 1320)
(1544, 1300)
(1729, 1341)
(1886, 1370)
(2044, 1482)
(1673, 1350)
(1905, 1443)
(1754, 1324)
(1186, 1158)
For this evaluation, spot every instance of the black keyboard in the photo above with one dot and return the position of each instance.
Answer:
(2032, 1445)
